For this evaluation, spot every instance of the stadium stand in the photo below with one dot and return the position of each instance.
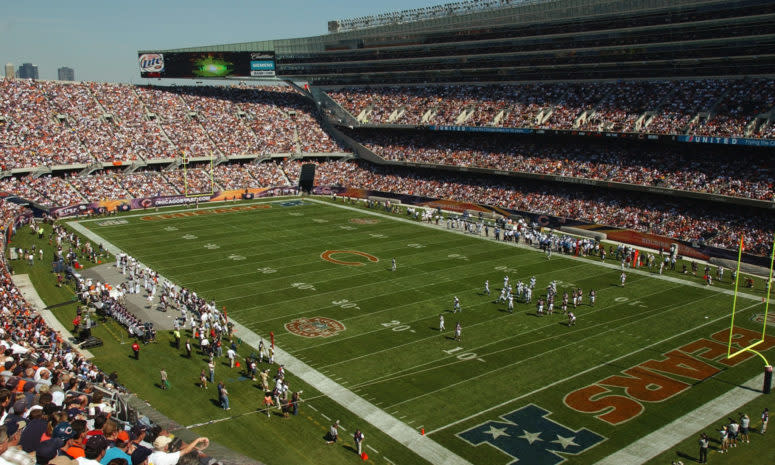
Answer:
(82, 123)
(50, 123)
(722, 228)
(748, 176)
(711, 107)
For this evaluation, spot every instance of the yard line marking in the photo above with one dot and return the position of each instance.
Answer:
(375, 450)
(423, 446)
(669, 435)
(638, 318)
(413, 369)
(392, 309)
(610, 266)
(351, 288)
(402, 417)
(313, 408)
(607, 362)
(324, 416)
(388, 460)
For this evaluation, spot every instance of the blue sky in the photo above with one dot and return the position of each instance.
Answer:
(100, 39)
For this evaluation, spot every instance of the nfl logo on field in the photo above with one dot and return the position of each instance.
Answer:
(529, 437)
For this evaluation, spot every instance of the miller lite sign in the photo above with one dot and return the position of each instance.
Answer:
(151, 62)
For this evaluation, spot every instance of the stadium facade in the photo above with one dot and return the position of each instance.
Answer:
(534, 40)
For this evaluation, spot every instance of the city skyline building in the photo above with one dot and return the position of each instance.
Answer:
(66, 73)
(27, 71)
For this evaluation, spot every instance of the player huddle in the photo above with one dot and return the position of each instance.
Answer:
(523, 292)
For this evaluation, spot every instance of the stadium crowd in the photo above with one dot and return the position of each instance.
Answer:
(719, 227)
(710, 172)
(46, 123)
(686, 222)
(713, 107)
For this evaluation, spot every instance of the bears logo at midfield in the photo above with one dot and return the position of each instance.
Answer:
(317, 326)
(528, 437)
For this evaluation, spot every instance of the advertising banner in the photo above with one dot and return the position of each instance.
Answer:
(181, 65)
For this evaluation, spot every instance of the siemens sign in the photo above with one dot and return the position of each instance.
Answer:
(262, 68)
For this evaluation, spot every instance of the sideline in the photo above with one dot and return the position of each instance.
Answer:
(421, 445)
(666, 437)
(527, 247)
(23, 283)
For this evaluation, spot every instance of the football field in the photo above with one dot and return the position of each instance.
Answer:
(515, 386)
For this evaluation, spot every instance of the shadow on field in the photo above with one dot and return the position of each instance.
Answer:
(350, 448)
(687, 457)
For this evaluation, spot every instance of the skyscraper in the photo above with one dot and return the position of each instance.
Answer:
(9, 74)
(27, 71)
(66, 74)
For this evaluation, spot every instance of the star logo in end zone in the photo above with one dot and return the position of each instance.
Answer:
(529, 437)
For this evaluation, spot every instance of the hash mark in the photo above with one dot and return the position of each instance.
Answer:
(375, 450)
(324, 416)
(313, 408)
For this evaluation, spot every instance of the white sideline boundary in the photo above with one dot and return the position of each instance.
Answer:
(636, 453)
(653, 444)
(523, 246)
(421, 445)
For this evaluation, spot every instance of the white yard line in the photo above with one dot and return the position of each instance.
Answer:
(523, 246)
(423, 446)
(666, 437)
(607, 362)
(398, 430)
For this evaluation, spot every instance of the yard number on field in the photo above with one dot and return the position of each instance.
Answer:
(463, 356)
(396, 325)
(344, 303)
(304, 286)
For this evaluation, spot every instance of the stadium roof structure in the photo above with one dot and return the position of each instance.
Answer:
(531, 40)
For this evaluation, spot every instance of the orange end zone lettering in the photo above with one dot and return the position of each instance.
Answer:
(709, 350)
(742, 337)
(328, 256)
(205, 212)
(645, 385)
(681, 364)
(619, 408)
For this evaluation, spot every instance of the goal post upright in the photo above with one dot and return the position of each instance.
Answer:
(750, 348)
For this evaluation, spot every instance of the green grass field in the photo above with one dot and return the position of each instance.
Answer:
(516, 386)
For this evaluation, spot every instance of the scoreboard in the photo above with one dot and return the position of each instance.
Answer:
(206, 64)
